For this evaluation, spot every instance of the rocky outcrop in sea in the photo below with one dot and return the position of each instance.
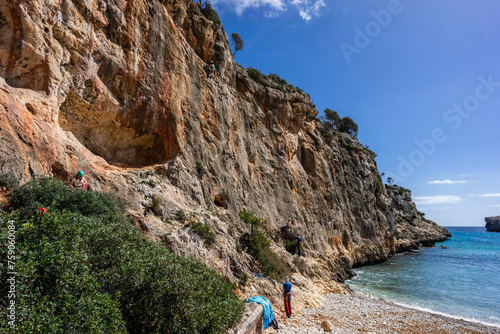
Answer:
(492, 224)
(119, 89)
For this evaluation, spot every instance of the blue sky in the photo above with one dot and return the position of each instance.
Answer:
(420, 78)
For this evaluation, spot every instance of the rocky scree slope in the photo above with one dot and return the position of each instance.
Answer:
(119, 89)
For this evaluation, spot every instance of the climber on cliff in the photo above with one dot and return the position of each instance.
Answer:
(286, 228)
(287, 297)
(211, 68)
(79, 182)
(299, 242)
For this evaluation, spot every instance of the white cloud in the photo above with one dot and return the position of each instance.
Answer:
(496, 206)
(490, 195)
(307, 8)
(431, 200)
(446, 182)
(241, 5)
(305, 15)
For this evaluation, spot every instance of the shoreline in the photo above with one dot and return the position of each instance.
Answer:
(425, 310)
(362, 313)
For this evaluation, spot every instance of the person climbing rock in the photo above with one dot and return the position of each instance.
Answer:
(211, 69)
(287, 297)
(286, 228)
(299, 242)
(79, 182)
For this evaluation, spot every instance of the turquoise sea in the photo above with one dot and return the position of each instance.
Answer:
(462, 281)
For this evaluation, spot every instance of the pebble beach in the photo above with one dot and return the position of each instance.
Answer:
(357, 313)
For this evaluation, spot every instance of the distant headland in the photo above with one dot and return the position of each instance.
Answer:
(492, 224)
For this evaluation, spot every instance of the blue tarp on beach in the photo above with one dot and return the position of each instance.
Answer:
(268, 315)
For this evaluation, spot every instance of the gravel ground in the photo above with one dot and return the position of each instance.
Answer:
(358, 313)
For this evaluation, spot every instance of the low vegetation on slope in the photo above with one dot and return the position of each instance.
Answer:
(258, 245)
(83, 268)
(272, 80)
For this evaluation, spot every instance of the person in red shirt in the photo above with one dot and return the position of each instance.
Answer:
(287, 297)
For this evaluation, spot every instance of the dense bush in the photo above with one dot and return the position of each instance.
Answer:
(204, 232)
(48, 192)
(83, 268)
(258, 244)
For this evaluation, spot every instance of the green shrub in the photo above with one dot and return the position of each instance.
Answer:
(244, 279)
(272, 80)
(8, 180)
(181, 215)
(239, 249)
(151, 183)
(258, 243)
(249, 218)
(277, 79)
(48, 192)
(84, 268)
(200, 169)
(256, 75)
(156, 205)
(204, 232)
(290, 246)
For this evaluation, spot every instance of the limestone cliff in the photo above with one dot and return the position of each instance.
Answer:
(119, 89)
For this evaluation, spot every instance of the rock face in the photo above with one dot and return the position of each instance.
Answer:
(119, 89)
(412, 229)
(492, 224)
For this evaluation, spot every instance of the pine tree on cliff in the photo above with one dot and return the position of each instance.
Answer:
(332, 121)
(349, 126)
(237, 42)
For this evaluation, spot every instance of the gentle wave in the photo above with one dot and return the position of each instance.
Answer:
(423, 309)
(428, 310)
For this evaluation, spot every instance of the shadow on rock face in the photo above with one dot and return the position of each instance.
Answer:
(124, 137)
